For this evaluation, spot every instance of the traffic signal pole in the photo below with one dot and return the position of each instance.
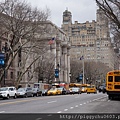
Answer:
(83, 71)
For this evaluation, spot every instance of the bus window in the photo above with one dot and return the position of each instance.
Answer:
(110, 78)
(117, 78)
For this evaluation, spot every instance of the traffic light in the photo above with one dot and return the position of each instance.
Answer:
(2, 59)
(56, 73)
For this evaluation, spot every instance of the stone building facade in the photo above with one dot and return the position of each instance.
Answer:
(90, 39)
(59, 50)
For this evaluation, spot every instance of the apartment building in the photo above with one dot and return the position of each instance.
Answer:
(90, 39)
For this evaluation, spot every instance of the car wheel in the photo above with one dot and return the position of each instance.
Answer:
(8, 96)
(37, 95)
(15, 96)
(25, 95)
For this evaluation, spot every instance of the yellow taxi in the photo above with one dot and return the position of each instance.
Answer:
(91, 89)
(54, 91)
(84, 89)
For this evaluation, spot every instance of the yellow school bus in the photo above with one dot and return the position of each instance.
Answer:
(113, 84)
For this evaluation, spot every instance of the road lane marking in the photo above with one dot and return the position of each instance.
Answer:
(76, 106)
(84, 103)
(80, 104)
(19, 101)
(65, 109)
(52, 101)
(71, 107)
(77, 97)
(59, 111)
(2, 111)
(38, 118)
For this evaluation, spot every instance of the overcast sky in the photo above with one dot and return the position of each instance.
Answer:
(82, 10)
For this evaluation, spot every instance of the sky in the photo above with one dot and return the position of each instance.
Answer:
(82, 10)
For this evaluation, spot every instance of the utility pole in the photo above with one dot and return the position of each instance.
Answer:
(83, 71)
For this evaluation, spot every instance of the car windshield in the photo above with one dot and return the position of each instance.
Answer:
(21, 89)
(35, 89)
(4, 89)
(91, 86)
(75, 88)
(60, 88)
(53, 89)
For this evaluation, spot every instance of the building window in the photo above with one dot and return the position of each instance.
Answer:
(11, 75)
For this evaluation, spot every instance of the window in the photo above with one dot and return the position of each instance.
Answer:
(117, 78)
(110, 78)
(11, 75)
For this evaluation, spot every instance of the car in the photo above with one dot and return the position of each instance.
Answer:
(7, 92)
(84, 89)
(75, 90)
(102, 88)
(37, 92)
(63, 90)
(91, 89)
(54, 91)
(44, 92)
(25, 92)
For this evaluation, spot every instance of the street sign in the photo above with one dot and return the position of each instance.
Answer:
(56, 73)
(2, 59)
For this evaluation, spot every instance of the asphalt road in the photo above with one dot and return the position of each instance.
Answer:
(82, 103)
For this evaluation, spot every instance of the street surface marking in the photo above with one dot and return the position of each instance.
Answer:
(2, 111)
(19, 101)
(51, 101)
(38, 118)
(65, 109)
(80, 104)
(76, 106)
(59, 112)
(77, 97)
(84, 103)
(71, 107)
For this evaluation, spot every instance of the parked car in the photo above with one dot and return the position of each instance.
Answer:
(75, 90)
(7, 92)
(25, 92)
(102, 88)
(91, 89)
(44, 92)
(37, 92)
(63, 90)
(54, 91)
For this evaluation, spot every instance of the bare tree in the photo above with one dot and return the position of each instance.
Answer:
(76, 70)
(92, 71)
(111, 9)
(24, 28)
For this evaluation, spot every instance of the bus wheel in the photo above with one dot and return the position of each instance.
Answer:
(110, 97)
